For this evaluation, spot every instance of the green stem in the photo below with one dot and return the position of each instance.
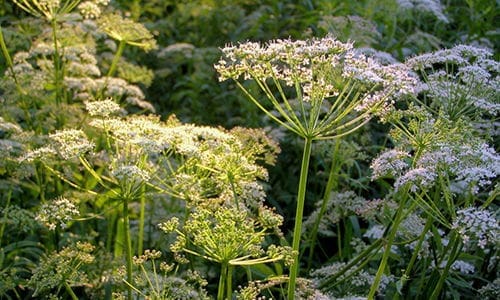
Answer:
(390, 240)
(364, 255)
(57, 63)
(454, 253)
(70, 291)
(229, 282)
(8, 60)
(140, 241)
(330, 185)
(297, 230)
(222, 281)
(116, 59)
(406, 274)
(128, 247)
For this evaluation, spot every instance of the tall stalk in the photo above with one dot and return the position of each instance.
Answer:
(4, 219)
(389, 242)
(297, 229)
(128, 247)
(330, 186)
(57, 63)
(140, 238)
(222, 281)
(8, 60)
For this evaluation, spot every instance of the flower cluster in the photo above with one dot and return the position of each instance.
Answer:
(130, 174)
(389, 163)
(216, 162)
(18, 218)
(103, 108)
(325, 74)
(108, 87)
(432, 7)
(57, 212)
(460, 80)
(48, 9)
(358, 281)
(128, 31)
(226, 235)
(477, 226)
(440, 149)
(71, 143)
(339, 206)
(62, 268)
(92, 9)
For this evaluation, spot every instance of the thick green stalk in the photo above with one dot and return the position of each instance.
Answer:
(330, 185)
(70, 291)
(128, 247)
(390, 240)
(222, 281)
(229, 282)
(297, 230)
(116, 59)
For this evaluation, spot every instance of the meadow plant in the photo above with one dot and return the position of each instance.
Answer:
(450, 162)
(335, 89)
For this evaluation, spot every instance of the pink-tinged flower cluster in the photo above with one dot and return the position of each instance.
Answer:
(477, 226)
(460, 80)
(323, 73)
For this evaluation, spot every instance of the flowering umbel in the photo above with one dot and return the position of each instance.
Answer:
(337, 89)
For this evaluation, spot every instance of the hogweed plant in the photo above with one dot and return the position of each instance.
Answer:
(318, 89)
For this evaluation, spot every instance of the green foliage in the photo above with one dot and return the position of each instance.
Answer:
(90, 176)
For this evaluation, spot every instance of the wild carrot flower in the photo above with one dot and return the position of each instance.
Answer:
(62, 269)
(103, 108)
(57, 212)
(391, 162)
(335, 91)
(71, 143)
(92, 9)
(461, 82)
(226, 235)
(477, 227)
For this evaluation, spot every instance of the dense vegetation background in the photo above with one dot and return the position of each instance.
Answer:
(167, 70)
